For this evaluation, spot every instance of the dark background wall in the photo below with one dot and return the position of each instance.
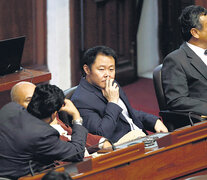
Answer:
(26, 17)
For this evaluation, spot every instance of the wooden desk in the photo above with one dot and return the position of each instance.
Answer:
(9, 80)
(179, 154)
(34, 76)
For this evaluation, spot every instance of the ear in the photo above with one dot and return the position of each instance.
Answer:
(86, 69)
(195, 33)
(53, 116)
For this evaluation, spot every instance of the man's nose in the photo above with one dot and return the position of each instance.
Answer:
(107, 73)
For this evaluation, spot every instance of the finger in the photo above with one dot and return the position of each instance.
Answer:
(111, 84)
(107, 82)
(115, 85)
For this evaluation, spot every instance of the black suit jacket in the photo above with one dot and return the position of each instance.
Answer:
(24, 137)
(184, 80)
(105, 119)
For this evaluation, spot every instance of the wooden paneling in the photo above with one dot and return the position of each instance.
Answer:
(26, 17)
(111, 23)
(201, 3)
(75, 48)
(169, 33)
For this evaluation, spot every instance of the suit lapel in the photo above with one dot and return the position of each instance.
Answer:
(99, 94)
(195, 60)
(93, 89)
(130, 110)
(127, 104)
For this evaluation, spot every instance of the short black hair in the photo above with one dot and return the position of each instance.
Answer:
(189, 19)
(90, 55)
(45, 101)
(54, 175)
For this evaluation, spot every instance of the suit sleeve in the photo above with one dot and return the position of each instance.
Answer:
(92, 141)
(51, 147)
(98, 124)
(148, 120)
(176, 88)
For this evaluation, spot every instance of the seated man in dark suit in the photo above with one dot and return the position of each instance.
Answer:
(29, 142)
(102, 103)
(22, 93)
(184, 72)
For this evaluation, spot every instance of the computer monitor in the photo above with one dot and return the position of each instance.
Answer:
(11, 51)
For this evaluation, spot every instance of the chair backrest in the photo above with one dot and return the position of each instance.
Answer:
(172, 119)
(69, 92)
(158, 88)
(63, 115)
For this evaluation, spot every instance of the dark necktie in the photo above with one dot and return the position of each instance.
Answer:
(205, 52)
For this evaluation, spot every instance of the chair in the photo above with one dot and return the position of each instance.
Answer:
(69, 92)
(63, 115)
(171, 119)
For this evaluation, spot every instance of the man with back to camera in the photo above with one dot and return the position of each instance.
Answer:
(184, 72)
(28, 141)
(102, 103)
(22, 93)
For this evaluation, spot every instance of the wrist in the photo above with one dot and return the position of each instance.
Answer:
(78, 121)
(76, 115)
(113, 101)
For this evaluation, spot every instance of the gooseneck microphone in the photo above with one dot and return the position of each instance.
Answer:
(190, 119)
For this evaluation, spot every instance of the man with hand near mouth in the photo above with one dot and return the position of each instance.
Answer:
(102, 103)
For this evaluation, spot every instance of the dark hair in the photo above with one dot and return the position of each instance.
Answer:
(54, 175)
(189, 19)
(45, 101)
(90, 55)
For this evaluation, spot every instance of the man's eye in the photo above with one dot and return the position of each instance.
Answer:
(28, 100)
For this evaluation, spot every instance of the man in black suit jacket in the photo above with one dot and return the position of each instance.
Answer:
(102, 103)
(29, 142)
(184, 72)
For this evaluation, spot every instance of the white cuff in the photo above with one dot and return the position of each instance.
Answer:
(101, 141)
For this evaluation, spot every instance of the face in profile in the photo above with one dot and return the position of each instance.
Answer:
(102, 68)
(203, 32)
(24, 93)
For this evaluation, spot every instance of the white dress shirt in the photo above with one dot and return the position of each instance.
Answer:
(126, 115)
(199, 51)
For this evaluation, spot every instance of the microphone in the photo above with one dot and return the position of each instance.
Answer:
(30, 168)
(191, 121)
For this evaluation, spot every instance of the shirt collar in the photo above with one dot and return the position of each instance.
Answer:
(199, 51)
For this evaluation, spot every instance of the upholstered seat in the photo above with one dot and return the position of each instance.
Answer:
(171, 119)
